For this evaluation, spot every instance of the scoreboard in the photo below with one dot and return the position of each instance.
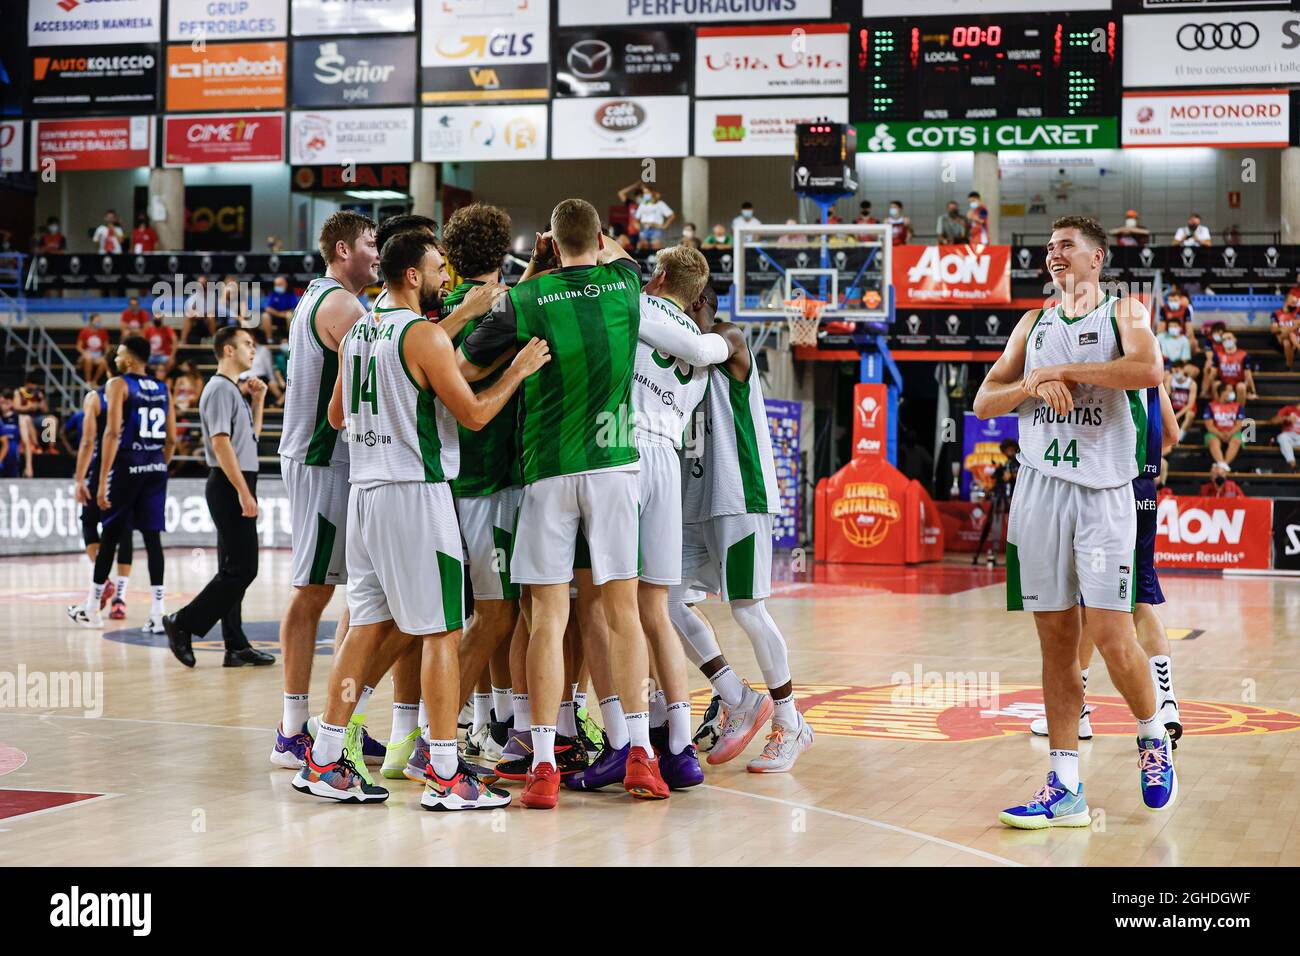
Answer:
(986, 67)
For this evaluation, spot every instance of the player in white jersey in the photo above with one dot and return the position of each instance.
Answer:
(668, 381)
(730, 497)
(1075, 372)
(400, 394)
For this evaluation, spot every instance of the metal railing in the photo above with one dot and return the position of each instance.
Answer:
(41, 353)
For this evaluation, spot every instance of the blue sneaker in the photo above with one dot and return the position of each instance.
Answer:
(372, 751)
(609, 768)
(1052, 806)
(290, 752)
(1157, 778)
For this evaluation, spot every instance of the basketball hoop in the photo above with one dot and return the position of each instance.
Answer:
(803, 316)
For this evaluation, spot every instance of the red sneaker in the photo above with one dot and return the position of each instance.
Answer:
(642, 778)
(118, 613)
(541, 788)
(109, 590)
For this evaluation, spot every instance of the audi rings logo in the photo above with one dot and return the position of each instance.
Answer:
(1218, 36)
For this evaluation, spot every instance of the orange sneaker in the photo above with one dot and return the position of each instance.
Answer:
(541, 788)
(642, 778)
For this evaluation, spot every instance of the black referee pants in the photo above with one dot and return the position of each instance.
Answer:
(236, 565)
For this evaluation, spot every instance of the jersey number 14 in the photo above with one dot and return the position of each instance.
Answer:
(364, 389)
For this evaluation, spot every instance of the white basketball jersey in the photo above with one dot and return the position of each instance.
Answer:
(738, 468)
(313, 367)
(665, 390)
(1098, 443)
(397, 430)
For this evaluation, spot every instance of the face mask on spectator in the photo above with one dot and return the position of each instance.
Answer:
(646, 197)
(1130, 222)
(747, 213)
(974, 203)
(1217, 337)
(54, 228)
(895, 212)
(1229, 345)
(1229, 396)
(688, 233)
(1175, 330)
(281, 288)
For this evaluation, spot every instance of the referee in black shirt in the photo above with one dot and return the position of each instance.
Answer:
(230, 430)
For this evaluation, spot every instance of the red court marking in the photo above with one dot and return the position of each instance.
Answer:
(17, 803)
(11, 758)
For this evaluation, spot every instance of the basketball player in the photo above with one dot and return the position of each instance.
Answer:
(1074, 372)
(1162, 434)
(139, 438)
(93, 407)
(669, 381)
(401, 395)
(730, 497)
(580, 465)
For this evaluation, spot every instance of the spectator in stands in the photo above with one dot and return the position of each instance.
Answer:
(1195, 233)
(1181, 386)
(186, 385)
(718, 237)
(40, 428)
(92, 350)
(900, 226)
(51, 239)
(162, 345)
(108, 236)
(792, 238)
(200, 319)
(134, 319)
(1220, 485)
(689, 237)
(1288, 437)
(1223, 419)
(1226, 364)
(1212, 335)
(653, 216)
(977, 214)
(1131, 233)
(143, 237)
(864, 214)
(264, 368)
(1178, 305)
(277, 310)
(746, 217)
(952, 229)
(1173, 344)
(10, 438)
(1286, 328)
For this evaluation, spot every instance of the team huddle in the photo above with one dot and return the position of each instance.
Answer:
(542, 440)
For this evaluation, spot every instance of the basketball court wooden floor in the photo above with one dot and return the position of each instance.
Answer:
(918, 684)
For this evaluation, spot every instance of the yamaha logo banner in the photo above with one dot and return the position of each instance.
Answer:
(1212, 47)
(614, 62)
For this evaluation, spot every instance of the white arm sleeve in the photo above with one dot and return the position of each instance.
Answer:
(660, 331)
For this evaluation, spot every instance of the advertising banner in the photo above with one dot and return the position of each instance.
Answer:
(227, 20)
(868, 512)
(806, 59)
(332, 179)
(122, 79)
(870, 419)
(329, 17)
(485, 50)
(378, 71)
(68, 22)
(951, 275)
(218, 218)
(783, 420)
(226, 76)
(608, 62)
(11, 146)
(239, 138)
(580, 13)
(917, 8)
(469, 133)
(1098, 132)
(108, 272)
(1213, 532)
(963, 525)
(351, 136)
(953, 328)
(759, 127)
(110, 142)
(1222, 118)
(1286, 534)
(626, 126)
(1212, 48)
(980, 454)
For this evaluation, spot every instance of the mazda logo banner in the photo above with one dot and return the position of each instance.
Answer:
(609, 61)
(1204, 48)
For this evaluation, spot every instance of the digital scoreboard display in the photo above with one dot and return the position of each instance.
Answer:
(985, 67)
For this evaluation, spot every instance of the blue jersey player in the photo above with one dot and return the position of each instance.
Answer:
(136, 448)
(94, 408)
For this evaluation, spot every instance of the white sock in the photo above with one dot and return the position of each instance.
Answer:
(405, 720)
(328, 745)
(502, 703)
(359, 713)
(638, 730)
(120, 582)
(482, 710)
(658, 709)
(442, 757)
(679, 726)
(611, 715)
(1162, 675)
(294, 715)
(580, 699)
(523, 715)
(1151, 728)
(566, 726)
(1065, 764)
(785, 711)
(543, 745)
(728, 686)
(93, 594)
(156, 609)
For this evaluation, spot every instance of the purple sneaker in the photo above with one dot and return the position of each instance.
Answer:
(610, 767)
(681, 771)
(372, 751)
(520, 744)
(290, 752)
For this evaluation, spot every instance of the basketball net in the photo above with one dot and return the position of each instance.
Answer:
(803, 315)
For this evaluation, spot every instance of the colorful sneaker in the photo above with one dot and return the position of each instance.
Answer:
(609, 767)
(78, 615)
(589, 731)
(118, 611)
(1038, 727)
(541, 788)
(642, 778)
(569, 759)
(290, 752)
(709, 732)
(464, 791)
(1052, 806)
(519, 743)
(109, 590)
(1156, 776)
(740, 724)
(1170, 717)
(397, 754)
(418, 762)
(681, 771)
(783, 747)
(339, 781)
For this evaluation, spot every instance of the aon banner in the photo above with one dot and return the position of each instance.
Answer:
(1213, 532)
(870, 513)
